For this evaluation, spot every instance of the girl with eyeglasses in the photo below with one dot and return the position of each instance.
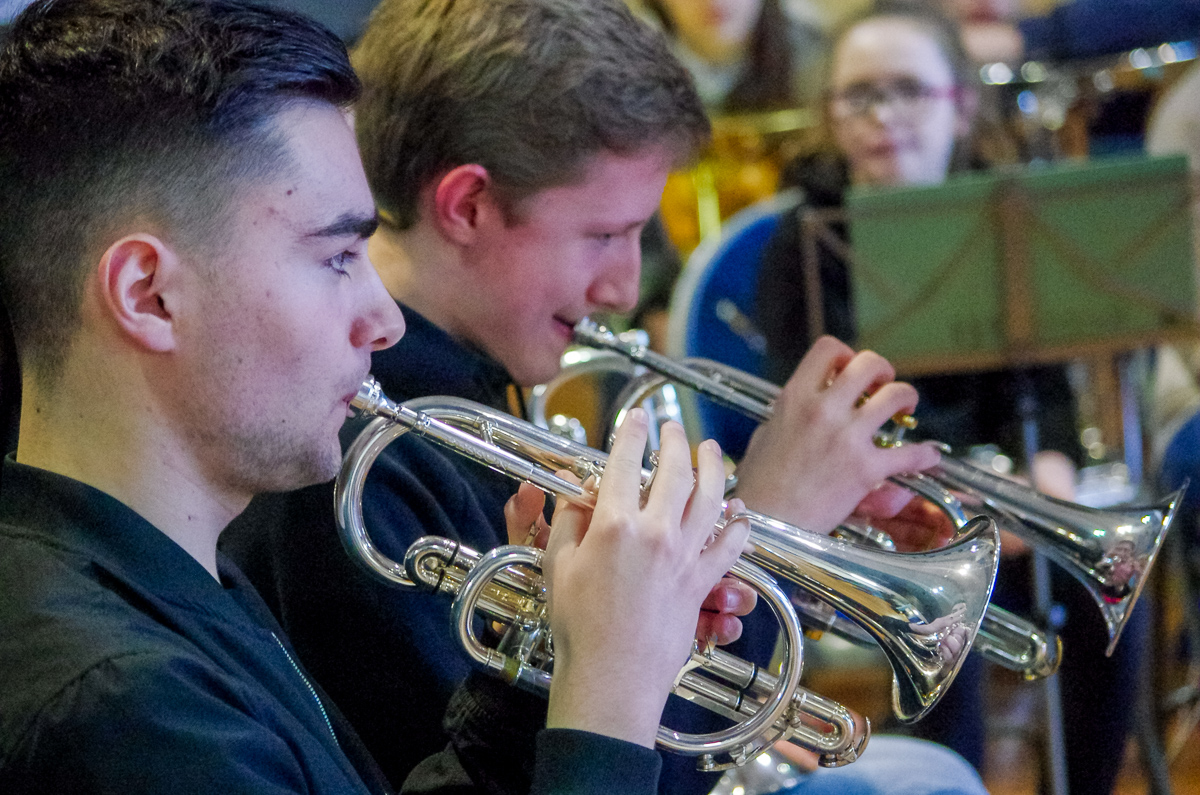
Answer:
(900, 101)
(901, 109)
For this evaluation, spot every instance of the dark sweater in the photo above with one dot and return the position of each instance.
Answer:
(126, 668)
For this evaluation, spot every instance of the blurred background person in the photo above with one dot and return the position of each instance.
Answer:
(745, 55)
(747, 58)
(899, 109)
(989, 28)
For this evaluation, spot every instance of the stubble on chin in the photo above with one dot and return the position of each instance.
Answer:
(274, 464)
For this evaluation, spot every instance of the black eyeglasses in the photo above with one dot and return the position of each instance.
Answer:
(904, 96)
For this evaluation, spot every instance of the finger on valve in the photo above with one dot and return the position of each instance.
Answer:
(524, 516)
(719, 620)
(917, 526)
(633, 579)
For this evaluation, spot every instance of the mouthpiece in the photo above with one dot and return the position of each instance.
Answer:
(371, 400)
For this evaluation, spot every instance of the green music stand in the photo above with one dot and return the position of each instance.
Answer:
(1025, 266)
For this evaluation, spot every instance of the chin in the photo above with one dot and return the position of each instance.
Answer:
(302, 471)
(536, 364)
(533, 373)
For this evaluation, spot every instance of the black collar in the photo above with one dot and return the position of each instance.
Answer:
(429, 361)
(79, 518)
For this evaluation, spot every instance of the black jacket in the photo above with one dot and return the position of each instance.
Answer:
(126, 668)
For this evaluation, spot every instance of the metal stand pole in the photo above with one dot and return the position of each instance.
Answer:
(1145, 724)
(1055, 782)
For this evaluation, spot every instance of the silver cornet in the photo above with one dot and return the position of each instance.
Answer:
(1110, 552)
(924, 610)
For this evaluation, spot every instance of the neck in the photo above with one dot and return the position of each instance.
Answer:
(78, 430)
(430, 289)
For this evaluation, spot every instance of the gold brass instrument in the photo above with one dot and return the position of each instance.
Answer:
(1109, 551)
(924, 610)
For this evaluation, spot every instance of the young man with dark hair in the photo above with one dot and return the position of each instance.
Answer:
(515, 149)
(183, 232)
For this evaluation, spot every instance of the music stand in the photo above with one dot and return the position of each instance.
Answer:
(1020, 267)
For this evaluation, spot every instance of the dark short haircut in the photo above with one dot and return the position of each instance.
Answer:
(137, 111)
(528, 89)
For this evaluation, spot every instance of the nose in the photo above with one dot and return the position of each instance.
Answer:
(380, 324)
(887, 111)
(616, 286)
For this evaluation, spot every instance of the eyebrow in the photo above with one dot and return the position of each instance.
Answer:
(629, 227)
(349, 224)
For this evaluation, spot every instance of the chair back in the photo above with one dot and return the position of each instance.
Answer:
(712, 311)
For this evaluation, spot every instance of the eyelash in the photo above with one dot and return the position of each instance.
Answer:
(339, 262)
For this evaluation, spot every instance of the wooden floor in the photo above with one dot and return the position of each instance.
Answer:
(1012, 767)
(1019, 776)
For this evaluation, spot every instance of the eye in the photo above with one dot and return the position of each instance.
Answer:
(340, 263)
(858, 98)
(909, 89)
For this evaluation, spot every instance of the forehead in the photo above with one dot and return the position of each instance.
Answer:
(321, 178)
(888, 48)
(612, 188)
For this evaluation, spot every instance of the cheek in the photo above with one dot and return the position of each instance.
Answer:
(854, 139)
(852, 135)
(288, 332)
(937, 140)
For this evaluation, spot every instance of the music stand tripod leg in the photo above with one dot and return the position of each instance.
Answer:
(1055, 771)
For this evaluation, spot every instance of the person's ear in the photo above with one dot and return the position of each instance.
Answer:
(462, 199)
(134, 276)
(966, 105)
